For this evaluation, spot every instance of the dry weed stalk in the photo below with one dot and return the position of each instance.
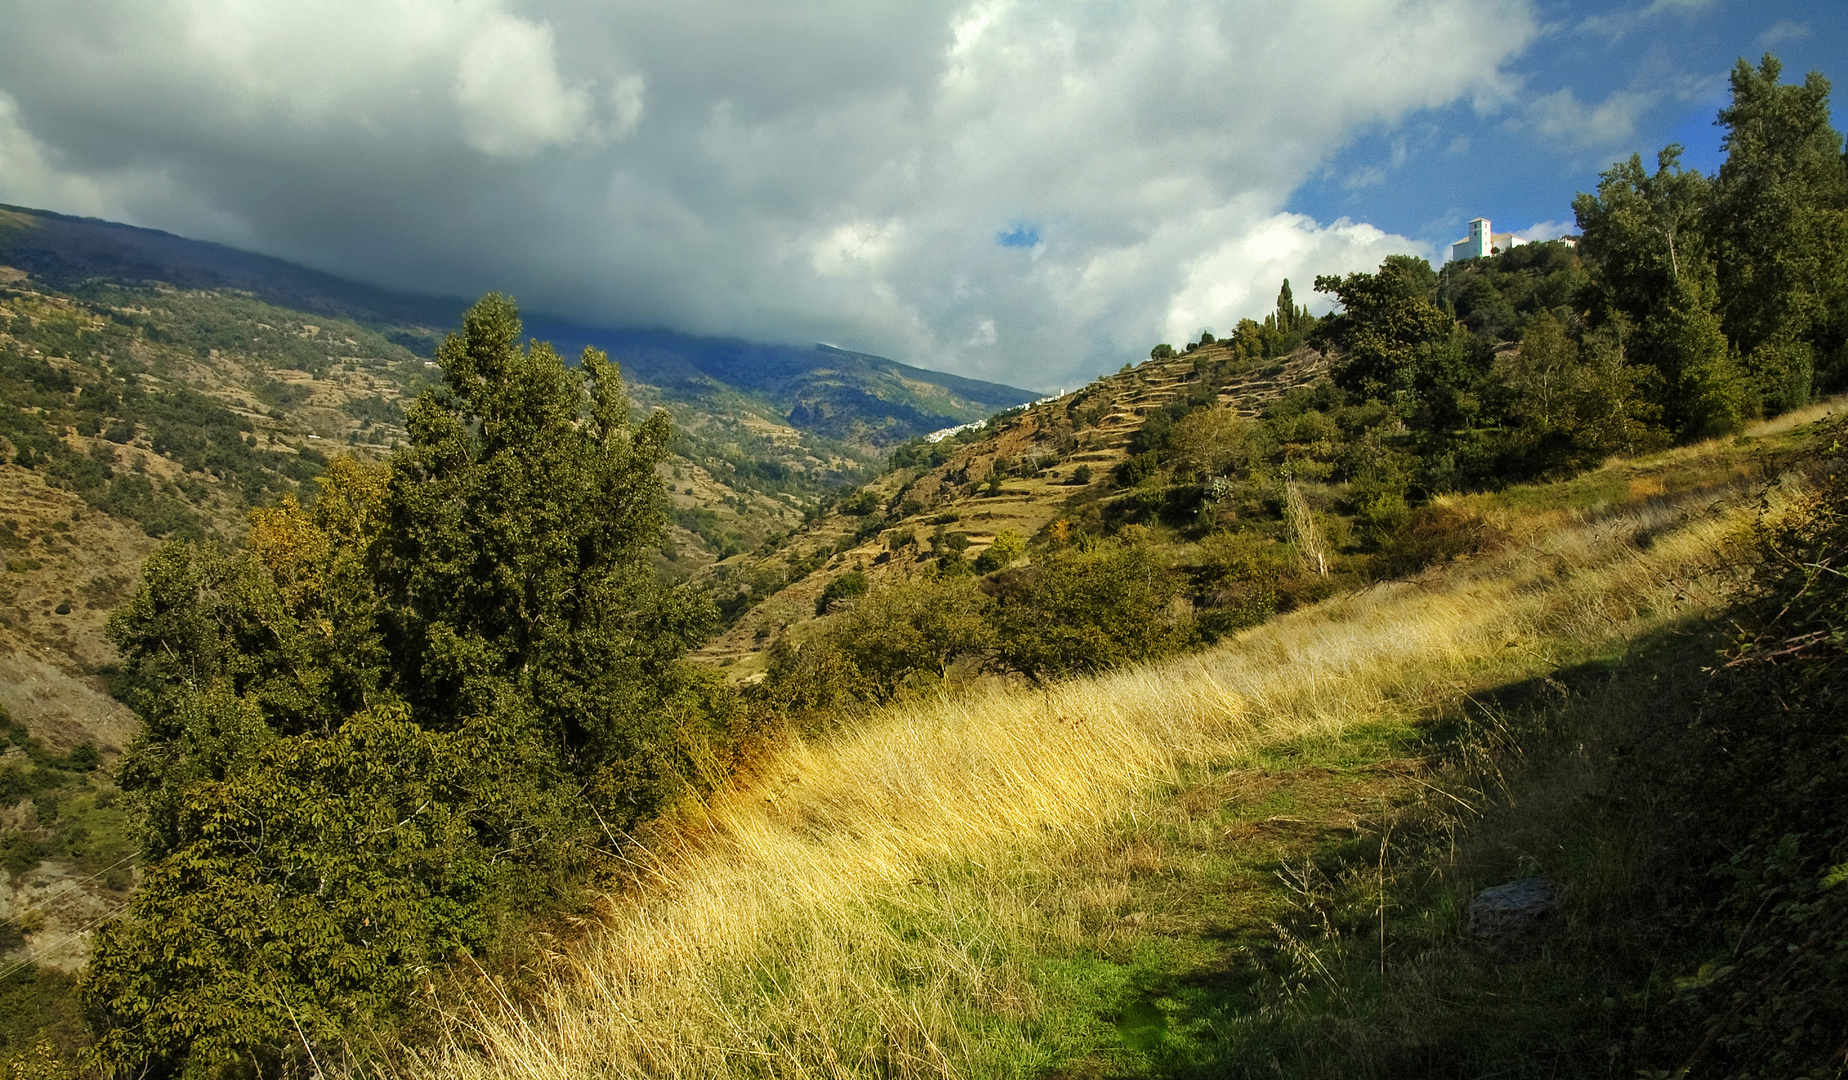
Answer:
(1303, 527)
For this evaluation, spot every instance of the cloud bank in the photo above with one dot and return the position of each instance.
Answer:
(1030, 192)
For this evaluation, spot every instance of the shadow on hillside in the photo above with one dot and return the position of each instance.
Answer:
(1558, 770)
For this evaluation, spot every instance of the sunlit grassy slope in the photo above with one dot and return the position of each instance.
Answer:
(924, 892)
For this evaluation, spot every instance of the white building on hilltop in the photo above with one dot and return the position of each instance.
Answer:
(1483, 241)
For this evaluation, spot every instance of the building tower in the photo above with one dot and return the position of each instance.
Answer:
(1477, 245)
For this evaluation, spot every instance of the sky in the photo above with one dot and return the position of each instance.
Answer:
(1033, 193)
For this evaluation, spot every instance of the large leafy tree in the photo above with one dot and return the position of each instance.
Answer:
(1656, 271)
(1401, 349)
(1644, 231)
(512, 568)
(385, 731)
(1779, 221)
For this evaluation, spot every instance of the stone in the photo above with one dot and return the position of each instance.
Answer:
(1511, 908)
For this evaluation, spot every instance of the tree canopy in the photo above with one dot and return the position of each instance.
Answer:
(388, 728)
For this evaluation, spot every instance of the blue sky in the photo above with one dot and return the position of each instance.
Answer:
(1658, 71)
(1031, 191)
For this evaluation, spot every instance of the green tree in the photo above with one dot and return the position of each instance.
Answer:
(1713, 396)
(514, 565)
(1655, 270)
(920, 626)
(383, 732)
(1779, 222)
(1611, 403)
(1541, 373)
(1211, 442)
(1090, 609)
(1388, 330)
(1644, 231)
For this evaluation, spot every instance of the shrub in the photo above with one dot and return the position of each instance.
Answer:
(848, 586)
(1755, 783)
(893, 635)
(1137, 469)
(1432, 534)
(1001, 553)
(1086, 610)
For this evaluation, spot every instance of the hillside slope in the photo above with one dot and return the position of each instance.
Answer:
(848, 397)
(1054, 459)
(153, 388)
(1169, 870)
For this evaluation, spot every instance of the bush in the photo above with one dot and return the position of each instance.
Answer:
(1137, 469)
(848, 586)
(1001, 553)
(1433, 534)
(1754, 786)
(1087, 610)
(891, 637)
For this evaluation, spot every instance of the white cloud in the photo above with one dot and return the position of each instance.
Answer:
(1243, 274)
(513, 101)
(1364, 177)
(1548, 230)
(1617, 24)
(1782, 31)
(626, 106)
(1564, 119)
(802, 173)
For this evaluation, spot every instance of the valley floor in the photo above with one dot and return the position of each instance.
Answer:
(1255, 860)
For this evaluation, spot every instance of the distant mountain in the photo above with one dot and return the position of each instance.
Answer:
(862, 400)
(850, 396)
(66, 252)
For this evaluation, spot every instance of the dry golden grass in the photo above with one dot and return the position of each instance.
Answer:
(862, 911)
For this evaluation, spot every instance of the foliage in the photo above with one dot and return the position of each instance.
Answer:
(893, 637)
(1733, 283)
(1388, 330)
(848, 586)
(71, 818)
(1758, 779)
(1085, 609)
(917, 627)
(112, 365)
(382, 734)
(1001, 553)
(1779, 227)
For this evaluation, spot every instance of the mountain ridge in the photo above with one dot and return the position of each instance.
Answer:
(68, 252)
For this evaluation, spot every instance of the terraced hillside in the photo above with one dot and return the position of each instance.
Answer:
(133, 417)
(1051, 458)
